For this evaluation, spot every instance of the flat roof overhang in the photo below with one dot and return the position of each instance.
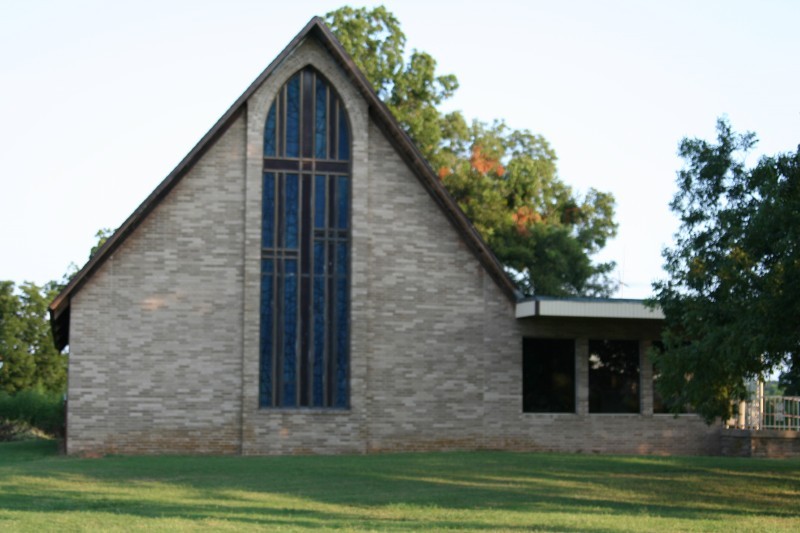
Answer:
(587, 308)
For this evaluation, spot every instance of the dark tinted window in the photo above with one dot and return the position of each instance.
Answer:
(613, 376)
(548, 376)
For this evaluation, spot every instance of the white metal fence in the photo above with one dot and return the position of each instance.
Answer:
(769, 412)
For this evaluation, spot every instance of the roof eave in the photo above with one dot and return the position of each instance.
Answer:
(600, 308)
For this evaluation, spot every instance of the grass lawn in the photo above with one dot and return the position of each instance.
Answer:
(40, 490)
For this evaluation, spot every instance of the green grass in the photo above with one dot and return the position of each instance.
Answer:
(40, 490)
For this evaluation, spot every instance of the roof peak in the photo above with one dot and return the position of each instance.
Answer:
(379, 112)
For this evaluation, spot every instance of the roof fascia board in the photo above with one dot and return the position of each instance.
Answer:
(587, 308)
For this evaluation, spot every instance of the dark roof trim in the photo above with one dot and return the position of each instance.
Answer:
(59, 308)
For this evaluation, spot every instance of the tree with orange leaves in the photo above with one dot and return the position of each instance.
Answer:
(505, 180)
(539, 228)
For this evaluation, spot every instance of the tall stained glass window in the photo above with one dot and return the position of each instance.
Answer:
(305, 248)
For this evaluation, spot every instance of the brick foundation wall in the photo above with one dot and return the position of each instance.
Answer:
(767, 443)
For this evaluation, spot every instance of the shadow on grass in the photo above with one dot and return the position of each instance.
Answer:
(484, 490)
(26, 450)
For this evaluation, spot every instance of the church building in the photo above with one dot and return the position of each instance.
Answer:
(303, 283)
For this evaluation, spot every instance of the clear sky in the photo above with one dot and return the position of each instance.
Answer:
(100, 100)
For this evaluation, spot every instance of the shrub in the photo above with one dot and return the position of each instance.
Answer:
(36, 408)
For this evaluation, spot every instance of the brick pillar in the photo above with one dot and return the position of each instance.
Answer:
(582, 376)
(645, 379)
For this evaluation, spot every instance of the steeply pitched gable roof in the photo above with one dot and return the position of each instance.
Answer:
(60, 307)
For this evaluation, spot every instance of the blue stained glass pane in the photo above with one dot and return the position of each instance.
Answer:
(268, 213)
(319, 202)
(344, 135)
(324, 205)
(265, 398)
(341, 342)
(319, 340)
(269, 133)
(290, 334)
(293, 117)
(292, 223)
(320, 122)
(319, 257)
(341, 259)
(342, 203)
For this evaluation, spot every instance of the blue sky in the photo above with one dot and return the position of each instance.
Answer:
(100, 100)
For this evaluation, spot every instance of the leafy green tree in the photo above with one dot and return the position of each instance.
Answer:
(790, 379)
(409, 87)
(51, 364)
(30, 359)
(536, 224)
(26, 342)
(102, 236)
(19, 366)
(505, 180)
(732, 296)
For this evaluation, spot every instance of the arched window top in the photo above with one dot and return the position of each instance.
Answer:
(307, 120)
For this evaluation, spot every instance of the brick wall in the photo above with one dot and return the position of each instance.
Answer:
(156, 333)
(764, 443)
(643, 433)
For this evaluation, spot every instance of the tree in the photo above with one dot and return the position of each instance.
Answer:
(535, 223)
(505, 180)
(790, 379)
(102, 236)
(18, 364)
(29, 356)
(732, 295)
(30, 359)
(410, 88)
